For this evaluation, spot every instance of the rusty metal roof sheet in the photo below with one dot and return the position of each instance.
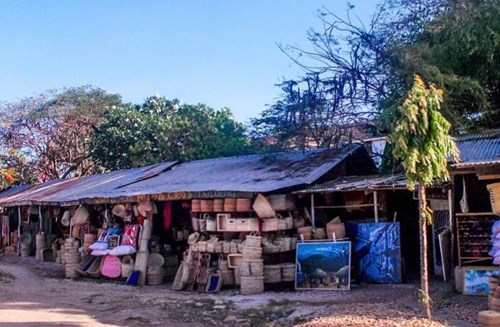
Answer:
(479, 149)
(13, 190)
(252, 173)
(358, 183)
(71, 191)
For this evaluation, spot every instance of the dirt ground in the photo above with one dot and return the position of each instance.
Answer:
(37, 294)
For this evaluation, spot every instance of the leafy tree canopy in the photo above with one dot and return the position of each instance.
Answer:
(47, 136)
(161, 130)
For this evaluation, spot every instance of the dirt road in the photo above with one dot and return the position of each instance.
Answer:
(36, 294)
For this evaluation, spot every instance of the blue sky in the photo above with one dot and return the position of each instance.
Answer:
(219, 52)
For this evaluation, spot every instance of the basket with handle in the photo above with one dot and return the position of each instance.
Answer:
(251, 285)
(494, 190)
(253, 239)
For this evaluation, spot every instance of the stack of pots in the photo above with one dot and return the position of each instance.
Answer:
(252, 267)
(88, 240)
(71, 258)
(226, 273)
(41, 244)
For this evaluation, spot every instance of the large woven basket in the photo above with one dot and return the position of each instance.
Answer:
(252, 285)
(287, 272)
(155, 276)
(488, 318)
(272, 273)
(70, 270)
(252, 252)
(252, 267)
(229, 204)
(494, 190)
(227, 277)
(243, 204)
(253, 240)
(218, 205)
(207, 205)
(127, 265)
(195, 205)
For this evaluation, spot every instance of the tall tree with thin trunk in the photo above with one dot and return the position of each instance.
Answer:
(422, 142)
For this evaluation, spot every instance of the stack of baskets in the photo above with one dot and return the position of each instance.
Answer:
(155, 272)
(25, 245)
(71, 258)
(252, 267)
(227, 274)
(88, 239)
(41, 244)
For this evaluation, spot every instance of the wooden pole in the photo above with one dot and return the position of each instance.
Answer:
(313, 214)
(18, 243)
(375, 206)
(424, 270)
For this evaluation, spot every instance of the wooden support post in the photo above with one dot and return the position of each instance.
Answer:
(375, 206)
(18, 243)
(313, 215)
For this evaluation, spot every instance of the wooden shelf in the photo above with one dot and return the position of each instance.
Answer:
(469, 214)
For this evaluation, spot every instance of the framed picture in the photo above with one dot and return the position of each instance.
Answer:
(378, 251)
(323, 266)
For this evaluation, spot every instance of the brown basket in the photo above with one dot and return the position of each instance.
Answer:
(223, 263)
(70, 270)
(196, 205)
(319, 233)
(494, 190)
(227, 277)
(253, 240)
(262, 207)
(272, 274)
(243, 204)
(72, 258)
(127, 265)
(252, 252)
(207, 205)
(287, 272)
(306, 232)
(226, 247)
(229, 204)
(155, 276)
(338, 229)
(252, 285)
(488, 318)
(284, 244)
(252, 267)
(218, 205)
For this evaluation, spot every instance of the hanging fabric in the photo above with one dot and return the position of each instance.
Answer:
(167, 215)
(464, 205)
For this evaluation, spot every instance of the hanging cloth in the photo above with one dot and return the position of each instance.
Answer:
(167, 215)
(464, 205)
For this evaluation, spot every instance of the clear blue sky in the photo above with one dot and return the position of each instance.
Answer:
(219, 52)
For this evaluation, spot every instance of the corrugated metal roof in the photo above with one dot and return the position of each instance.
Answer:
(13, 190)
(71, 191)
(479, 149)
(354, 183)
(252, 174)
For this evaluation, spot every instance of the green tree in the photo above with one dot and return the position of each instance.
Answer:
(421, 141)
(47, 136)
(161, 130)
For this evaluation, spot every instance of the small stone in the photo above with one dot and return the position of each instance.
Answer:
(220, 307)
(218, 302)
(198, 304)
(230, 319)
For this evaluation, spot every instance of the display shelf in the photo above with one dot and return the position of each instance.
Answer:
(474, 236)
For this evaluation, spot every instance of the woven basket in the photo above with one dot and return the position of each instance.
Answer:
(70, 270)
(207, 205)
(234, 247)
(155, 276)
(306, 232)
(155, 260)
(72, 258)
(211, 225)
(488, 318)
(494, 190)
(252, 285)
(229, 204)
(226, 247)
(196, 205)
(253, 240)
(195, 223)
(287, 272)
(272, 274)
(289, 222)
(127, 265)
(252, 252)
(299, 222)
(237, 276)
(26, 252)
(319, 233)
(202, 246)
(218, 205)
(252, 267)
(338, 229)
(284, 244)
(227, 277)
(223, 264)
(243, 204)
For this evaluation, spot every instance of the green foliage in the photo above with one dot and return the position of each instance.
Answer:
(421, 136)
(162, 130)
(46, 137)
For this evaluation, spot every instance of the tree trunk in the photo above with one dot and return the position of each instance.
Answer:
(424, 271)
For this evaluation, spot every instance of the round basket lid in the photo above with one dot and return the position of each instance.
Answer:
(25, 238)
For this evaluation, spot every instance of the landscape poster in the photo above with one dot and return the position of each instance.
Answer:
(378, 251)
(323, 266)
